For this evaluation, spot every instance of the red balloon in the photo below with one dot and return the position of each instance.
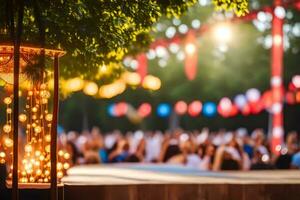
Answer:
(180, 107)
(195, 108)
(144, 110)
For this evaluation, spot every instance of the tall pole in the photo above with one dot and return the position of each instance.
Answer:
(17, 44)
(53, 156)
(277, 77)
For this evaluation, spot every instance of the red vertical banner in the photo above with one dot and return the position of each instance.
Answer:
(191, 56)
(276, 78)
(142, 67)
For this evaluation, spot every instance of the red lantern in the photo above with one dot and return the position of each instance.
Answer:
(180, 107)
(195, 108)
(121, 109)
(142, 67)
(290, 98)
(144, 110)
(224, 107)
(267, 99)
(234, 110)
(191, 53)
(246, 110)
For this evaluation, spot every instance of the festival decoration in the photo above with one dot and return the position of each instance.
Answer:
(38, 155)
(209, 109)
(151, 82)
(195, 108)
(225, 107)
(90, 88)
(191, 56)
(144, 110)
(111, 90)
(180, 107)
(163, 110)
(132, 78)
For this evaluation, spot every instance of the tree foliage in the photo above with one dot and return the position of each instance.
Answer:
(94, 33)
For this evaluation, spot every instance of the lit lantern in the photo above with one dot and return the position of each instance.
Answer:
(253, 95)
(209, 109)
(163, 110)
(144, 110)
(195, 108)
(180, 107)
(90, 88)
(121, 109)
(151, 82)
(111, 90)
(74, 84)
(132, 78)
(296, 81)
(191, 56)
(224, 107)
(39, 152)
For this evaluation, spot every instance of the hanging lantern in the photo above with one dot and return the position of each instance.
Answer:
(163, 110)
(74, 84)
(37, 165)
(142, 65)
(90, 88)
(180, 107)
(224, 107)
(209, 109)
(144, 110)
(151, 83)
(191, 56)
(132, 78)
(112, 90)
(195, 108)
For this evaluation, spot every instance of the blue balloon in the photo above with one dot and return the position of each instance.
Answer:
(209, 109)
(111, 110)
(163, 110)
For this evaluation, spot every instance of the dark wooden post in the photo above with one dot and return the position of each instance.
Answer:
(53, 156)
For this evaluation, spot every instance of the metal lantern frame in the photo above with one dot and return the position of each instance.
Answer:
(26, 53)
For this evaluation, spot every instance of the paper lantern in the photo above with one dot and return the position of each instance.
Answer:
(209, 109)
(240, 101)
(144, 110)
(112, 90)
(195, 108)
(74, 84)
(180, 107)
(151, 82)
(296, 81)
(90, 88)
(191, 56)
(253, 95)
(121, 109)
(132, 78)
(163, 110)
(111, 110)
(224, 107)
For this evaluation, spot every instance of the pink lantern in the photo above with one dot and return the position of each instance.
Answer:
(181, 107)
(121, 109)
(224, 107)
(144, 110)
(195, 108)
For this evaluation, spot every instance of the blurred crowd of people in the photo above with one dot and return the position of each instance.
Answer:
(205, 150)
